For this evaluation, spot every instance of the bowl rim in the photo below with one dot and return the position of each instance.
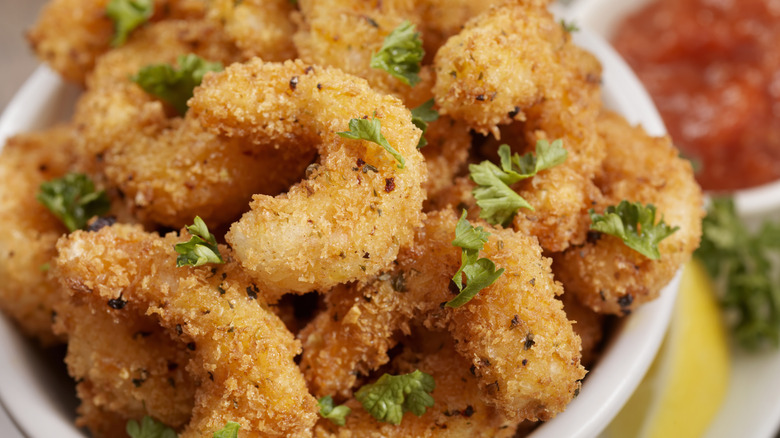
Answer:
(620, 369)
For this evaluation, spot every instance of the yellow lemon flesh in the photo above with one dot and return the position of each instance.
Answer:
(686, 384)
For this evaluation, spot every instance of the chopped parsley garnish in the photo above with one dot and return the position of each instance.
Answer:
(149, 428)
(421, 116)
(336, 414)
(229, 431)
(371, 130)
(741, 263)
(127, 15)
(200, 249)
(569, 26)
(498, 202)
(480, 272)
(401, 54)
(175, 86)
(73, 200)
(635, 225)
(390, 397)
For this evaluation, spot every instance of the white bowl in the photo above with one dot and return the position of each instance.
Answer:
(30, 394)
(752, 405)
(603, 17)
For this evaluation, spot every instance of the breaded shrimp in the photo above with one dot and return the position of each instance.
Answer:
(258, 27)
(26, 293)
(514, 333)
(126, 366)
(242, 355)
(502, 62)
(457, 412)
(588, 325)
(169, 168)
(345, 34)
(71, 34)
(604, 273)
(358, 204)
(543, 88)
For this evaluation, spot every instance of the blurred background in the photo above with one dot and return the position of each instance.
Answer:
(18, 59)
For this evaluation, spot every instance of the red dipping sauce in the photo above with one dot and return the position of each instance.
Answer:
(713, 69)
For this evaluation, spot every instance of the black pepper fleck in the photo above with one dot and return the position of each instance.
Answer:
(293, 82)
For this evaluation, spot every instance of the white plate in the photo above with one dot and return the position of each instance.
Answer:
(752, 406)
(32, 397)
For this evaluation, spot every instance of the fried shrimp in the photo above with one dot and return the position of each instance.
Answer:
(346, 34)
(242, 355)
(546, 89)
(26, 293)
(126, 367)
(514, 333)
(457, 412)
(258, 27)
(170, 168)
(472, 86)
(604, 273)
(71, 34)
(358, 204)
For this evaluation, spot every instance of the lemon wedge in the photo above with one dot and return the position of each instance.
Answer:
(687, 383)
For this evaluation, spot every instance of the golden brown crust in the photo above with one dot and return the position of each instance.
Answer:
(356, 207)
(26, 293)
(604, 273)
(242, 355)
(514, 324)
(70, 35)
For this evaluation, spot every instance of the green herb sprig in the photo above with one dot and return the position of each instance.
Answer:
(741, 262)
(390, 396)
(149, 428)
(336, 414)
(480, 272)
(175, 85)
(635, 224)
(371, 130)
(498, 202)
(200, 249)
(126, 16)
(401, 54)
(73, 200)
(421, 116)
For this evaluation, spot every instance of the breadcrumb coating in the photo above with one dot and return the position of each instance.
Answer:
(242, 354)
(604, 273)
(358, 204)
(514, 324)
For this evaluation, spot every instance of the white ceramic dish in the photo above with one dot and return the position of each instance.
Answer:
(752, 407)
(31, 395)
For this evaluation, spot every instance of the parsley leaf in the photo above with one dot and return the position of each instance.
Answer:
(175, 86)
(569, 26)
(371, 130)
(421, 116)
(401, 54)
(337, 415)
(149, 428)
(229, 431)
(127, 15)
(390, 397)
(499, 203)
(480, 272)
(740, 262)
(200, 249)
(635, 224)
(73, 200)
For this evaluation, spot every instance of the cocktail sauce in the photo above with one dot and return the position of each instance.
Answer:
(713, 69)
